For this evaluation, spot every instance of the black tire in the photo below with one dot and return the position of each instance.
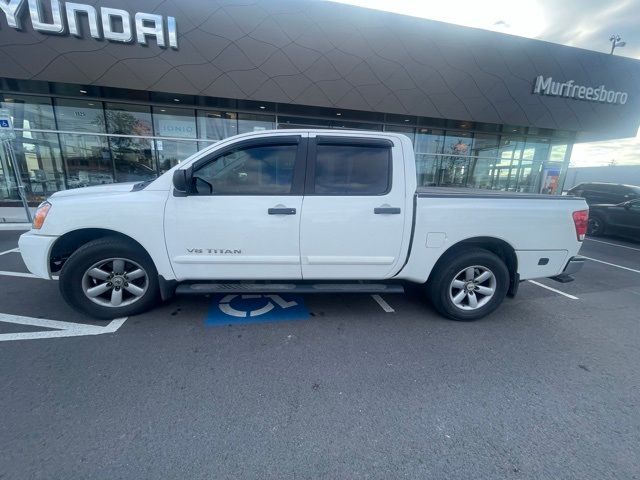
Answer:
(72, 278)
(447, 270)
(597, 225)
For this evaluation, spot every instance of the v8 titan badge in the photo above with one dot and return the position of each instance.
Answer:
(255, 308)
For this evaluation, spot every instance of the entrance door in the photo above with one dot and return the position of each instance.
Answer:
(353, 214)
(242, 219)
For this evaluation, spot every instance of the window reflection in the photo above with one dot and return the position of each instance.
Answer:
(109, 146)
(534, 155)
(408, 131)
(454, 167)
(217, 125)
(40, 154)
(30, 112)
(484, 153)
(255, 123)
(8, 183)
(125, 119)
(174, 122)
(429, 141)
(133, 157)
(37, 154)
(87, 159)
(428, 144)
(427, 170)
(80, 116)
(171, 152)
(506, 170)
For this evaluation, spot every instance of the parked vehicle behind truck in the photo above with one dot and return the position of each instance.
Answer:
(299, 211)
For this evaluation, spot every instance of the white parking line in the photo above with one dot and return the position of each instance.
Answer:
(62, 329)
(611, 264)
(384, 305)
(613, 244)
(23, 275)
(13, 250)
(18, 274)
(572, 297)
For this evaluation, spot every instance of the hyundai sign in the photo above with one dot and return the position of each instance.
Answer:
(104, 23)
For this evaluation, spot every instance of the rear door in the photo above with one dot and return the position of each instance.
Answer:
(353, 212)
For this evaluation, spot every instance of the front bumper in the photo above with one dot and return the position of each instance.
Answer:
(574, 265)
(35, 250)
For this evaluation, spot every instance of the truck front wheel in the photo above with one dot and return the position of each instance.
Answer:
(109, 278)
(468, 285)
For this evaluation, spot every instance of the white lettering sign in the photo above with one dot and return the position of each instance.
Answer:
(569, 89)
(109, 23)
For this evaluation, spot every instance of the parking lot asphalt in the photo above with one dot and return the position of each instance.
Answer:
(548, 387)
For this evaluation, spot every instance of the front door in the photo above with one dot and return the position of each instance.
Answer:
(354, 212)
(242, 219)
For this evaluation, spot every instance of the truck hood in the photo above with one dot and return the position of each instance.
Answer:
(111, 188)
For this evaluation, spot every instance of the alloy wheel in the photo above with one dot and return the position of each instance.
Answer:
(115, 282)
(472, 288)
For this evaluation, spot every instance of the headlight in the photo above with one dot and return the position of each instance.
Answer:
(41, 215)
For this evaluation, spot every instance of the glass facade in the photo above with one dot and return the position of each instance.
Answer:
(75, 142)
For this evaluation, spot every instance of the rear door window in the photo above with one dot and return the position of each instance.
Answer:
(344, 169)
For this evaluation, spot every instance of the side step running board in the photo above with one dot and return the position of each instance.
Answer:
(202, 288)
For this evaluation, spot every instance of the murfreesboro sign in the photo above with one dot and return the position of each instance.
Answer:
(569, 89)
(104, 23)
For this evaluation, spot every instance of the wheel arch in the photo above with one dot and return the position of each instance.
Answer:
(71, 241)
(495, 245)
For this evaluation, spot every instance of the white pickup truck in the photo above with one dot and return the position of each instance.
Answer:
(299, 211)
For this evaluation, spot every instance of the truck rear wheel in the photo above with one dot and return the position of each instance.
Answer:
(468, 285)
(109, 278)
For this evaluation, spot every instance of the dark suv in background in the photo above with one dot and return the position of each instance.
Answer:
(614, 208)
(609, 193)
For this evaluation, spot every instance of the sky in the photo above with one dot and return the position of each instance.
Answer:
(578, 23)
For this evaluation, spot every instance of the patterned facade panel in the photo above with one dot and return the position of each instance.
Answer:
(319, 53)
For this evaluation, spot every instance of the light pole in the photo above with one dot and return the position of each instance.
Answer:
(616, 41)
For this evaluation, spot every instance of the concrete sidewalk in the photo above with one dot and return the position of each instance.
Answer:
(14, 214)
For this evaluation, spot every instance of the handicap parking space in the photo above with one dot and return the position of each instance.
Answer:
(612, 270)
(253, 380)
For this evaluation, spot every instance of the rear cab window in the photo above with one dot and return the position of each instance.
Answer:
(358, 168)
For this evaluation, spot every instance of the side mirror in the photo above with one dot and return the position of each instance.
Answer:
(181, 182)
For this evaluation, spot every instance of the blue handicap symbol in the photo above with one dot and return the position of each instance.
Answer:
(4, 123)
(255, 308)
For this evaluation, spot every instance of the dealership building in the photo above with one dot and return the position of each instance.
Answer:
(114, 91)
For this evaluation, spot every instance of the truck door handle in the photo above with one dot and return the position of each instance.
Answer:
(282, 211)
(386, 211)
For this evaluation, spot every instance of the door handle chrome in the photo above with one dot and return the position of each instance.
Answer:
(386, 211)
(282, 211)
